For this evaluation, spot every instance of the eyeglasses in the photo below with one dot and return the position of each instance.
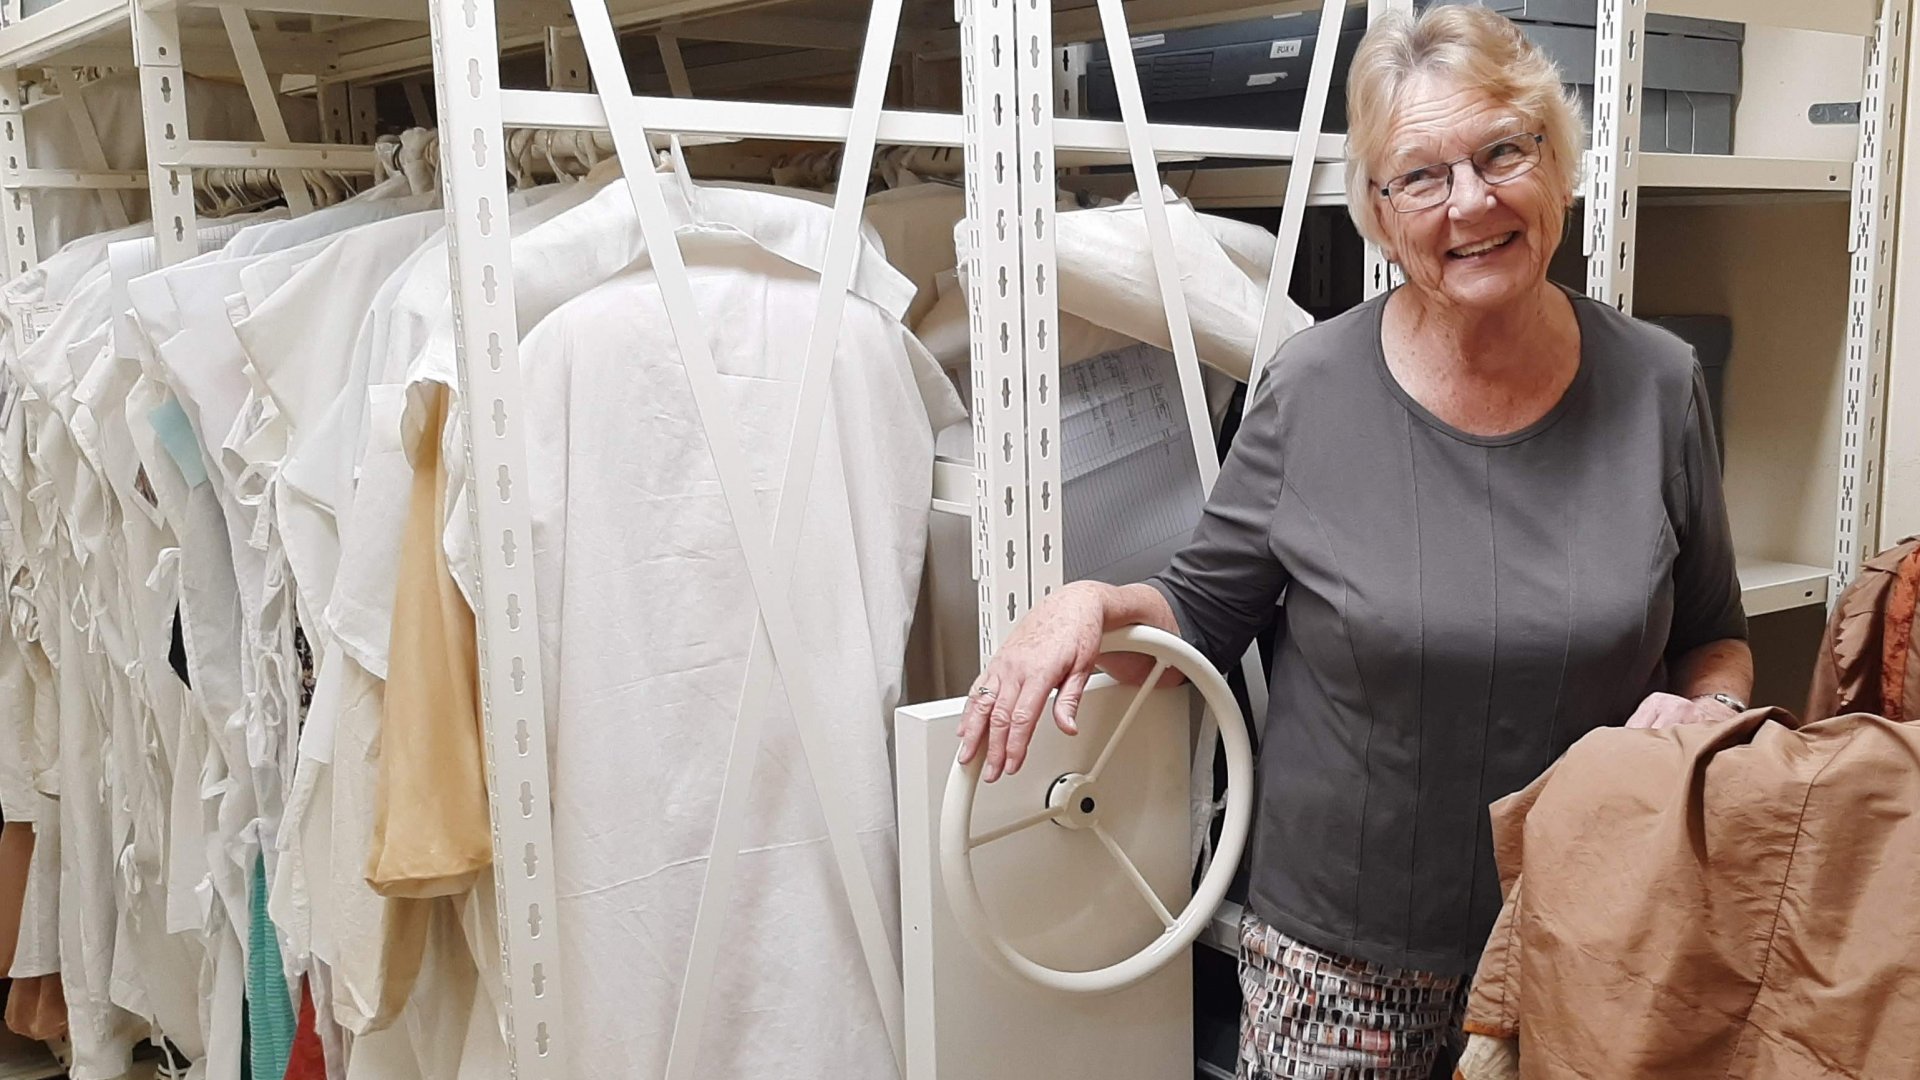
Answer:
(1496, 163)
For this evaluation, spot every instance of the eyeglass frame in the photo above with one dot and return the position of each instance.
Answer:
(1385, 191)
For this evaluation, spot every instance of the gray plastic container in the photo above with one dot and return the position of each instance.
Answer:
(1712, 339)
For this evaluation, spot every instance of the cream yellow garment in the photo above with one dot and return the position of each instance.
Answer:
(432, 787)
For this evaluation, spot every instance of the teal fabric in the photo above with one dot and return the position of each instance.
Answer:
(270, 1016)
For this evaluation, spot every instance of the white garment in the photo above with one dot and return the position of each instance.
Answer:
(298, 330)
(1107, 279)
(103, 1034)
(376, 204)
(301, 341)
(637, 560)
(1109, 301)
(182, 310)
(236, 596)
(578, 250)
(18, 797)
(38, 951)
(71, 566)
(916, 225)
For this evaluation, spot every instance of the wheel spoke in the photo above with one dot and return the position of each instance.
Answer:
(1133, 874)
(1007, 830)
(1126, 721)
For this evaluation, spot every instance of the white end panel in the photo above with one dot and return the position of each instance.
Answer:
(1057, 895)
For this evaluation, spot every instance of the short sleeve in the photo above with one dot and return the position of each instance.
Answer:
(1706, 580)
(1225, 584)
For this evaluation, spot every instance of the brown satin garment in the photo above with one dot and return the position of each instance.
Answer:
(1715, 900)
(1896, 651)
(1851, 673)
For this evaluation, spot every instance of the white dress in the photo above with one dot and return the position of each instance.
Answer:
(646, 615)
(69, 597)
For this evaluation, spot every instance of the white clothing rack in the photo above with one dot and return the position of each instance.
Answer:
(1014, 135)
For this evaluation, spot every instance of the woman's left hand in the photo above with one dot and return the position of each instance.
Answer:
(1661, 711)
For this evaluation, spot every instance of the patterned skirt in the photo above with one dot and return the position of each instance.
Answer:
(1311, 1015)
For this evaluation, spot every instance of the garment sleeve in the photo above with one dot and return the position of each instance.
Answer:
(432, 834)
(1706, 580)
(1225, 583)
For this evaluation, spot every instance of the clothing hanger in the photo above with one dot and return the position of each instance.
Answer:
(419, 158)
(678, 156)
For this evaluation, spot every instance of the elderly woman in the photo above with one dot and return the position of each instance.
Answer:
(1494, 511)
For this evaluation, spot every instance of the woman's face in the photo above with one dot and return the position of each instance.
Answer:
(1445, 249)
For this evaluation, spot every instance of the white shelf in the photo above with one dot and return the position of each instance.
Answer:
(65, 24)
(1767, 587)
(1736, 172)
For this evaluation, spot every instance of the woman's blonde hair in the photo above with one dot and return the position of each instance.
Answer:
(1474, 46)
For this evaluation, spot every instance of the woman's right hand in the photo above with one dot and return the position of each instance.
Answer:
(1054, 647)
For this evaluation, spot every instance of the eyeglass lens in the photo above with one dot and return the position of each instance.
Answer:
(1496, 163)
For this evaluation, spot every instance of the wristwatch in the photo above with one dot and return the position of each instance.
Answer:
(1728, 700)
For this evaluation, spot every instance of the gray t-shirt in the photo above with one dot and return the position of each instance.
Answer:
(1458, 611)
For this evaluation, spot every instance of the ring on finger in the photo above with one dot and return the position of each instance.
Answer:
(985, 693)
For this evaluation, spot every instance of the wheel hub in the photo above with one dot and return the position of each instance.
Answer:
(1075, 800)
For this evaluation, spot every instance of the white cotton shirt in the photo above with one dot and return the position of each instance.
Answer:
(646, 612)
(18, 797)
(417, 312)
(162, 973)
(38, 950)
(561, 260)
(329, 222)
(1107, 279)
(300, 341)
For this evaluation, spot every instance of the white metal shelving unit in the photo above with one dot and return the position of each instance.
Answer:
(1619, 175)
(1011, 490)
(163, 42)
(1006, 49)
